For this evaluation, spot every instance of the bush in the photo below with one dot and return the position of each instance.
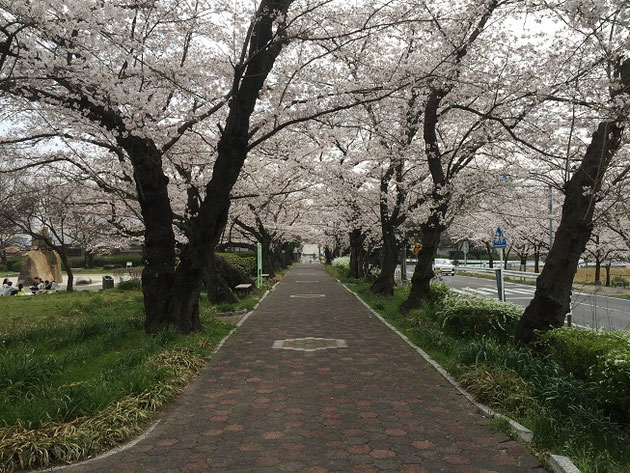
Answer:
(499, 388)
(14, 265)
(342, 262)
(474, 316)
(247, 264)
(601, 357)
(130, 285)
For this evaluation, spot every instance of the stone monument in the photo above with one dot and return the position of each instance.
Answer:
(40, 261)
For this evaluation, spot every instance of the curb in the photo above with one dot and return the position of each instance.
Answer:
(558, 463)
(152, 426)
(232, 313)
(517, 429)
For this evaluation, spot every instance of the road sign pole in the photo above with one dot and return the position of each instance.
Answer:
(502, 289)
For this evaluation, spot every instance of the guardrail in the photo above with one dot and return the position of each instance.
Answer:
(506, 272)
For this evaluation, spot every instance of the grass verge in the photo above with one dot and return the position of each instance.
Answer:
(569, 415)
(78, 375)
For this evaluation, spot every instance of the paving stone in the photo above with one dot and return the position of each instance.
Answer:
(372, 405)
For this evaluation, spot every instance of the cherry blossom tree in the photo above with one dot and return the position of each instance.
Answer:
(201, 76)
(595, 38)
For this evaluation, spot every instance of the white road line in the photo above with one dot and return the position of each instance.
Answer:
(519, 291)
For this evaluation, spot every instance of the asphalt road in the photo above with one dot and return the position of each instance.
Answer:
(590, 310)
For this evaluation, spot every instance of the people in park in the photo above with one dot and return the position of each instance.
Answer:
(53, 286)
(9, 290)
(37, 286)
(20, 291)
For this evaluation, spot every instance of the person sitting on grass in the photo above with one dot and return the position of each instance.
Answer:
(9, 290)
(53, 286)
(20, 291)
(37, 285)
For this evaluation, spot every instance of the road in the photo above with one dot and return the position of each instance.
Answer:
(590, 310)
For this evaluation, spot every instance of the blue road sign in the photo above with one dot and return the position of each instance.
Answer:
(499, 239)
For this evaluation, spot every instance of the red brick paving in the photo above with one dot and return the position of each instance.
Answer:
(373, 406)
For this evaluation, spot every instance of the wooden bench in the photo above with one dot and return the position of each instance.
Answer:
(243, 288)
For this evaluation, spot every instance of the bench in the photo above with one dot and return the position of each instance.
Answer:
(244, 288)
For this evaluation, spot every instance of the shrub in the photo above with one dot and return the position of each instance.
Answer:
(15, 265)
(499, 388)
(130, 285)
(247, 264)
(473, 316)
(601, 357)
(342, 262)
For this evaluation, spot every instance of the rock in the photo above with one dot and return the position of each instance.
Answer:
(44, 264)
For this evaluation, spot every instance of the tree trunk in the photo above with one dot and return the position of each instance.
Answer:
(65, 263)
(328, 255)
(357, 254)
(608, 266)
(159, 240)
(537, 259)
(598, 270)
(490, 252)
(553, 287)
(523, 262)
(505, 256)
(423, 273)
(384, 283)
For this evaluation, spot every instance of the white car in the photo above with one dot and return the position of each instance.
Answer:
(445, 266)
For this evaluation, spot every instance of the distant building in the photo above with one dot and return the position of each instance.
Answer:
(310, 253)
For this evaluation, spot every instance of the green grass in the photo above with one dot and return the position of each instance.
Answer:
(72, 354)
(78, 374)
(568, 416)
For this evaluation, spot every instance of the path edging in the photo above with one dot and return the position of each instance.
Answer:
(153, 425)
(558, 463)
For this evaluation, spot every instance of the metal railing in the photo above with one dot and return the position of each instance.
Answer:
(506, 272)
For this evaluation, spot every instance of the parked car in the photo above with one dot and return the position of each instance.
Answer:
(445, 266)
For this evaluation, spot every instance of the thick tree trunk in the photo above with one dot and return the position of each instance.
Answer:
(159, 240)
(608, 266)
(357, 254)
(384, 283)
(553, 287)
(423, 273)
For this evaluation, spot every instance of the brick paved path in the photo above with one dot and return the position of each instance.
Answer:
(373, 405)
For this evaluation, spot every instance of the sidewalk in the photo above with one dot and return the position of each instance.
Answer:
(372, 405)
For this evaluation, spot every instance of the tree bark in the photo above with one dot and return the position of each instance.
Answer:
(159, 239)
(598, 270)
(423, 273)
(536, 258)
(357, 254)
(328, 255)
(490, 252)
(384, 283)
(608, 266)
(553, 287)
